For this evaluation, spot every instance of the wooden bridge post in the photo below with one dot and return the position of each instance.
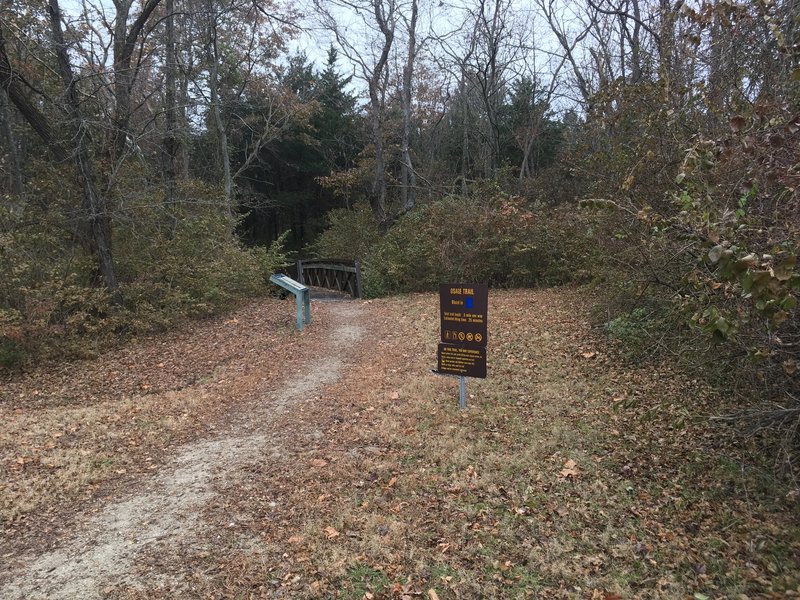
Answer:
(357, 292)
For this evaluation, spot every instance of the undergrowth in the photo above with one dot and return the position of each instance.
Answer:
(185, 264)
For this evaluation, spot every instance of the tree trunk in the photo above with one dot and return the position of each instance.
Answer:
(125, 74)
(408, 178)
(170, 108)
(183, 145)
(376, 86)
(525, 167)
(16, 186)
(10, 79)
(186, 68)
(464, 137)
(378, 198)
(97, 238)
(216, 112)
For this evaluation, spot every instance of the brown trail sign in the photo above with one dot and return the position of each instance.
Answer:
(463, 315)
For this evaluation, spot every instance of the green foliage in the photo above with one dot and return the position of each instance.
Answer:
(743, 282)
(488, 237)
(642, 330)
(11, 353)
(628, 327)
(361, 580)
(273, 257)
(172, 264)
(351, 234)
(698, 219)
(316, 131)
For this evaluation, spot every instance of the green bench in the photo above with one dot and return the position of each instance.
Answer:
(302, 297)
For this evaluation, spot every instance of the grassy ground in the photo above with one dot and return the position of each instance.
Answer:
(570, 476)
(72, 435)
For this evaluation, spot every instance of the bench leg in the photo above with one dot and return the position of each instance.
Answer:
(299, 303)
(307, 306)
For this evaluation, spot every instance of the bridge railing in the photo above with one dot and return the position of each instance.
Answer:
(333, 274)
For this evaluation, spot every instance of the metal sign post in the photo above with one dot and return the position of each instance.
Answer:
(462, 391)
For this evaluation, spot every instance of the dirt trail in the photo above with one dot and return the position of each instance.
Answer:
(164, 509)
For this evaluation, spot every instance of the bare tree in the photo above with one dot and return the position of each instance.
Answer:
(569, 42)
(170, 104)
(408, 179)
(379, 20)
(14, 84)
(97, 217)
(125, 71)
(17, 185)
(213, 57)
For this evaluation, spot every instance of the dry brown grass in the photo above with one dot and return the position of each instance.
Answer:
(381, 488)
(73, 433)
(415, 495)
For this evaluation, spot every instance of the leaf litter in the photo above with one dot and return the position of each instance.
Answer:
(568, 477)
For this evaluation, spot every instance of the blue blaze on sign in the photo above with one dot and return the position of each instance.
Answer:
(469, 302)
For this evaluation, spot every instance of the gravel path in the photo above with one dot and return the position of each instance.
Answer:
(164, 508)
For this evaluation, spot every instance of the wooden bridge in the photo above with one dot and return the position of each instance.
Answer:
(333, 274)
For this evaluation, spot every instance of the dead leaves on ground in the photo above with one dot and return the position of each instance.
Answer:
(73, 429)
(569, 477)
(570, 470)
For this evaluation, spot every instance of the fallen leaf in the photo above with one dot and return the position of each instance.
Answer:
(319, 462)
(331, 533)
(395, 396)
(432, 594)
(570, 469)
(295, 539)
(392, 481)
(588, 354)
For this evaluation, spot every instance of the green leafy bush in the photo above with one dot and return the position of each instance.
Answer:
(351, 234)
(172, 263)
(11, 353)
(489, 237)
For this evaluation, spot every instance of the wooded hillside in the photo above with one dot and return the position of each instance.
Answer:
(161, 158)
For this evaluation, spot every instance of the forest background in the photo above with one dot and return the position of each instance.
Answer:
(161, 158)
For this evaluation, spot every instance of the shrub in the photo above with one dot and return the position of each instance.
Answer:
(171, 264)
(488, 237)
(351, 234)
(11, 353)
